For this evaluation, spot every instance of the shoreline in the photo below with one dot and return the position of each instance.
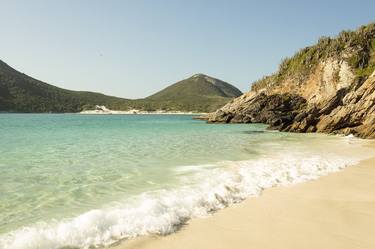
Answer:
(102, 110)
(334, 211)
(138, 113)
(116, 113)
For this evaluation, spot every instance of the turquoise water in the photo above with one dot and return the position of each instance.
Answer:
(61, 165)
(109, 177)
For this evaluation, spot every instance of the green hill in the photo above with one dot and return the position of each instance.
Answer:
(199, 92)
(197, 85)
(21, 93)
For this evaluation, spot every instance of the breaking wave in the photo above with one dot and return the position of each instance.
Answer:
(205, 189)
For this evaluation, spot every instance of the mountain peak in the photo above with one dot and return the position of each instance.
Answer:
(198, 85)
(205, 77)
(209, 79)
(198, 75)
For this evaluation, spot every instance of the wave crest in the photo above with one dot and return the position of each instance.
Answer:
(165, 211)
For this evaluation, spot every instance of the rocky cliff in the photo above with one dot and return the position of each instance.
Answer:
(328, 87)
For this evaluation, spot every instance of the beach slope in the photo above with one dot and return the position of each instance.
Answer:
(335, 211)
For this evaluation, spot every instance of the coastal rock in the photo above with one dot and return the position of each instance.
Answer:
(356, 115)
(349, 111)
(278, 110)
(329, 87)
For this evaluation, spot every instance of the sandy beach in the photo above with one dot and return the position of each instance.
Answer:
(335, 211)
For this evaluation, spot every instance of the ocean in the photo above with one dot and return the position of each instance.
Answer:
(70, 180)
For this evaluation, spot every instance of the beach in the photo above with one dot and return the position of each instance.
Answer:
(187, 125)
(334, 211)
(144, 176)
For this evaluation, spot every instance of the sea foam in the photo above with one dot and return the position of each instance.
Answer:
(164, 211)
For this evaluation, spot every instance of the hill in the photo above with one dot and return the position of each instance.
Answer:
(197, 85)
(21, 93)
(328, 87)
(199, 92)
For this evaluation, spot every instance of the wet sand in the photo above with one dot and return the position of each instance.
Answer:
(335, 211)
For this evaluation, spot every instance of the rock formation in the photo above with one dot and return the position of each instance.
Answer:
(329, 87)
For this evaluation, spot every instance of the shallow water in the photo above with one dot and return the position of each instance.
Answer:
(82, 180)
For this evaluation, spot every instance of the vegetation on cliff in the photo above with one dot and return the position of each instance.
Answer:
(356, 47)
(328, 87)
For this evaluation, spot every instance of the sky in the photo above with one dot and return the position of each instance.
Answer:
(132, 49)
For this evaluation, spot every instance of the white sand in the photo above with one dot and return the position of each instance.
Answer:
(334, 212)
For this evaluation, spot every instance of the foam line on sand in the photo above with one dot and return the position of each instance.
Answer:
(335, 211)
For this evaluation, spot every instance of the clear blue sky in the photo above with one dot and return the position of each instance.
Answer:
(134, 48)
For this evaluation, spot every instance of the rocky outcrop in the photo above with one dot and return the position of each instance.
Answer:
(349, 111)
(320, 89)
(354, 113)
(278, 110)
